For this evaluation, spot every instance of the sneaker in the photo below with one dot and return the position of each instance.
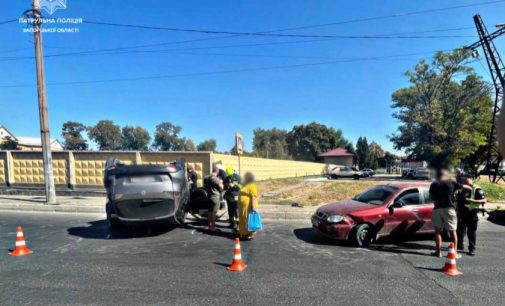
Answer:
(436, 254)
(471, 253)
(458, 255)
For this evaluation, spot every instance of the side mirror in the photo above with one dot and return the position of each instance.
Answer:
(399, 203)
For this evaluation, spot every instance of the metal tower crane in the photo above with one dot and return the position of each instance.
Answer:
(497, 70)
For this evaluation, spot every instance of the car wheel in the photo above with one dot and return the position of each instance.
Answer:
(356, 177)
(334, 176)
(112, 223)
(361, 235)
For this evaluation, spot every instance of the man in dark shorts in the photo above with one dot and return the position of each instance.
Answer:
(444, 214)
(214, 186)
(469, 204)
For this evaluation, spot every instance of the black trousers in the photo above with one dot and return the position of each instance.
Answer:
(467, 226)
(233, 212)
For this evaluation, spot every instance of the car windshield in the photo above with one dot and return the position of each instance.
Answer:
(376, 195)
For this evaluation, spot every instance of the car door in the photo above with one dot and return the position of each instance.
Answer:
(405, 219)
(345, 172)
(425, 209)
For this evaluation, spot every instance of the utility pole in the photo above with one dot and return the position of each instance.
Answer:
(497, 71)
(43, 116)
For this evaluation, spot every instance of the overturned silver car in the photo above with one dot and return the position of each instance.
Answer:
(145, 193)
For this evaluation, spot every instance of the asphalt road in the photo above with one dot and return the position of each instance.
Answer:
(76, 261)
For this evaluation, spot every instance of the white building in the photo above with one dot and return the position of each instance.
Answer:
(28, 143)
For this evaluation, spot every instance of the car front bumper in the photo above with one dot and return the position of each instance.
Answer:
(337, 231)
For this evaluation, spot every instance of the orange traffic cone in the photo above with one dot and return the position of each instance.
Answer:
(238, 265)
(20, 248)
(450, 267)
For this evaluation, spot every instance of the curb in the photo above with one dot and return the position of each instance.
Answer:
(270, 216)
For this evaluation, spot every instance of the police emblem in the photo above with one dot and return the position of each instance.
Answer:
(52, 6)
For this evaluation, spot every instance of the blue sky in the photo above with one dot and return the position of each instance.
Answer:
(352, 96)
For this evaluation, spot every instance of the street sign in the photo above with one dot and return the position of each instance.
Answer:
(239, 144)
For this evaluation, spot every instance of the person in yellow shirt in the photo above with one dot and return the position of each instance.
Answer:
(248, 200)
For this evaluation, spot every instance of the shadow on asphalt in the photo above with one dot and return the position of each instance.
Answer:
(310, 235)
(401, 245)
(222, 231)
(497, 217)
(98, 230)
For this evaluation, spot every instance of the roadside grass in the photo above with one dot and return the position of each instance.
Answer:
(319, 193)
(494, 192)
(276, 184)
(315, 193)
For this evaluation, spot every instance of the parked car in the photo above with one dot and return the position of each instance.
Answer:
(344, 172)
(367, 172)
(422, 174)
(408, 173)
(145, 193)
(396, 208)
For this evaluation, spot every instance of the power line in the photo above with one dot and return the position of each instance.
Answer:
(421, 12)
(274, 34)
(266, 68)
(269, 33)
(326, 24)
(90, 50)
(127, 50)
(8, 21)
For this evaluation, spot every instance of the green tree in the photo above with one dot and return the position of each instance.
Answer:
(135, 138)
(166, 138)
(363, 152)
(270, 143)
(72, 133)
(445, 113)
(306, 142)
(376, 153)
(9, 144)
(209, 145)
(388, 160)
(106, 135)
(185, 144)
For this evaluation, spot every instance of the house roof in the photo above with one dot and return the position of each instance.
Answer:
(7, 130)
(338, 152)
(34, 141)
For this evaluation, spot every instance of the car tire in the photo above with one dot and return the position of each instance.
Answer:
(356, 177)
(361, 235)
(334, 176)
(112, 223)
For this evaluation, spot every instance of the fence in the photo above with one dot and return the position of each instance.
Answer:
(270, 168)
(85, 169)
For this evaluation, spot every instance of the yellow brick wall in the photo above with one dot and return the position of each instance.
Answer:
(265, 169)
(3, 178)
(89, 166)
(28, 168)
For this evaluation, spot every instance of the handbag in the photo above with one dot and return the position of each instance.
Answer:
(254, 223)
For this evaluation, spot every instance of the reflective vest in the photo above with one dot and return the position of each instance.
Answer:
(472, 206)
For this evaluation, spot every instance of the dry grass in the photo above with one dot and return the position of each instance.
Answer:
(320, 192)
(272, 185)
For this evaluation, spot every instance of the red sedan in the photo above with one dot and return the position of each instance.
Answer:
(396, 208)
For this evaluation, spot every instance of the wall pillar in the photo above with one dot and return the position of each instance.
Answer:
(138, 158)
(9, 169)
(71, 170)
